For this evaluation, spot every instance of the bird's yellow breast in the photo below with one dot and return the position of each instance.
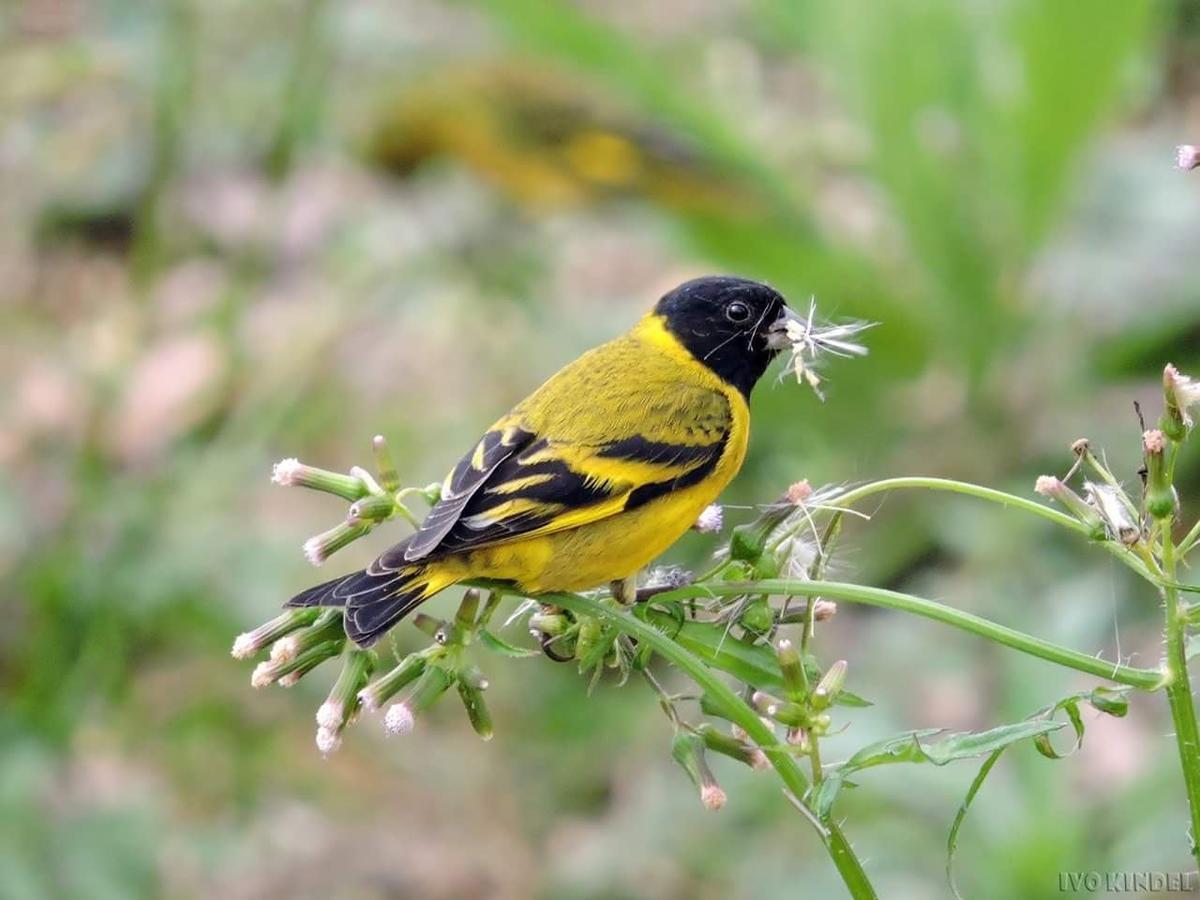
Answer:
(677, 401)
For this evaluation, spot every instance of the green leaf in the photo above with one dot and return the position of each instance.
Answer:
(826, 793)
(1110, 701)
(846, 698)
(961, 815)
(910, 747)
(755, 664)
(501, 646)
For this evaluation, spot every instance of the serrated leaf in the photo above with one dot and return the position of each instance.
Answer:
(503, 647)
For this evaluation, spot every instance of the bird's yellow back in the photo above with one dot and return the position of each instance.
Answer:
(598, 471)
(642, 388)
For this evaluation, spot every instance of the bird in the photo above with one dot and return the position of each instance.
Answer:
(598, 471)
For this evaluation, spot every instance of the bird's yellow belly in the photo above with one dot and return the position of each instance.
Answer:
(593, 554)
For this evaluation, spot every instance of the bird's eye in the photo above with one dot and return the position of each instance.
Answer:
(737, 311)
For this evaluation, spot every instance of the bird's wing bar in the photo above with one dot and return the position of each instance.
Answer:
(499, 443)
(549, 487)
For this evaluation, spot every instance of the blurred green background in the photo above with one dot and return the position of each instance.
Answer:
(233, 232)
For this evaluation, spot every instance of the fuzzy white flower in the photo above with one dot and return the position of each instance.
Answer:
(712, 796)
(287, 471)
(284, 650)
(398, 719)
(244, 646)
(328, 740)
(263, 675)
(331, 715)
(1187, 157)
(711, 520)
(314, 550)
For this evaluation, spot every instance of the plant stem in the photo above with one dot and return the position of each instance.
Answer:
(1144, 679)
(922, 482)
(738, 712)
(1179, 690)
(1120, 551)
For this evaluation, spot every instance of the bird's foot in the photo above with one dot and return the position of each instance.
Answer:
(624, 590)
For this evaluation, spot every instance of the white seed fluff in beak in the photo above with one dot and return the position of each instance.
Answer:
(807, 340)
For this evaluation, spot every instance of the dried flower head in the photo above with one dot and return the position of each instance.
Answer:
(1115, 511)
(824, 610)
(1182, 395)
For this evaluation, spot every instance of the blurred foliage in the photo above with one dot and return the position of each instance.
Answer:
(235, 232)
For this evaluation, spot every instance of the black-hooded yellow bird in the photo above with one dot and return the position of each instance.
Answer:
(595, 473)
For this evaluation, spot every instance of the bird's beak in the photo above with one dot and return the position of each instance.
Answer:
(777, 332)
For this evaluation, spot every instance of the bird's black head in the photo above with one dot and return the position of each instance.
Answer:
(725, 323)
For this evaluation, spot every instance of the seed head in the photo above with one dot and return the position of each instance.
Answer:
(1114, 512)
(1182, 394)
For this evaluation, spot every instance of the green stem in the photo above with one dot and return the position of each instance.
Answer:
(783, 762)
(1179, 690)
(1144, 679)
(1120, 551)
(921, 482)
(1189, 542)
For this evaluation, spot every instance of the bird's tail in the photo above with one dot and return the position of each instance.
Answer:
(376, 599)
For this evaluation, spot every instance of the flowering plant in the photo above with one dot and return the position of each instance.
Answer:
(744, 631)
